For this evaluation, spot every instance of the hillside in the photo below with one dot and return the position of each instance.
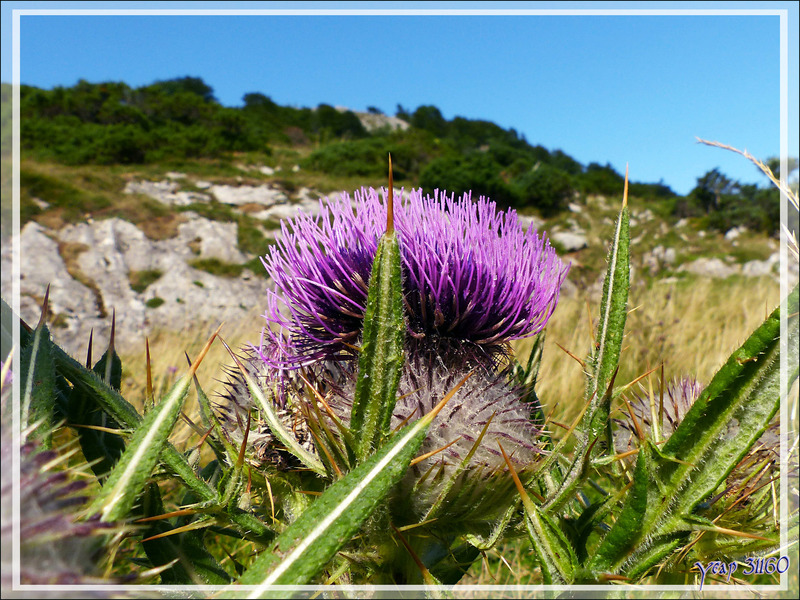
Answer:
(124, 209)
(162, 246)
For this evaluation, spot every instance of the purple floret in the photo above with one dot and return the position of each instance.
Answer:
(471, 274)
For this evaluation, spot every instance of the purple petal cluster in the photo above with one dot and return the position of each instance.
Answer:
(471, 274)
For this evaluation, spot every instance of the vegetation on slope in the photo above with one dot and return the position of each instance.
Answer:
(179, 120)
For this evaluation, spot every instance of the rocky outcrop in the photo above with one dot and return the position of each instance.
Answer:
(104, 256)
(248, 194)
(166, 192)
(570, 241)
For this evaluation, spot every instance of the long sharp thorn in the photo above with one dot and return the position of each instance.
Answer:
(204, 351)
(426, 575)
(520, 488)
(571, 355)
(110, 351)
(661, 398)
(45, 307)
(625, 191)
(149, 390)
(113, 331)
(734, 533)
(205, 436)
(634, 420)
(405, 421)
(638, 379)
(176, 513)
(656, 425)
(89, 350)
(327, 454)
(240, 460)
(390, 201)
(422, 457)
(190, 527)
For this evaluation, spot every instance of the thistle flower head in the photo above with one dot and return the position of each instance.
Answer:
(473, 280)
(471, 273)
(678, 397)
(56, 546)
(484, 409)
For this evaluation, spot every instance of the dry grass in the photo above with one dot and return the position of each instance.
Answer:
(169, 362)
(692, 325)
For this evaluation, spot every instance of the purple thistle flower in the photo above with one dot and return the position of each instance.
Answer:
(472, 274)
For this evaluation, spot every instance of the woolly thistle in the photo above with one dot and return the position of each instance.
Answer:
(57, 547)
(473, 280)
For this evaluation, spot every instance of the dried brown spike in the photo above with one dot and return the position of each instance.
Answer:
(204, 351)
(625, 191)
(149, 390)
(390, 201)
(45, 307)
(240, 459)
(89, 350)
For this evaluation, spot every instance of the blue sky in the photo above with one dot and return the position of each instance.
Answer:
(631, 89)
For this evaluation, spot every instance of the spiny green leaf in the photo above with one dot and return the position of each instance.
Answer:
(603, 364)
(611, 327)
(624, 534)
(102, 449)
(38, 376)
(380, 361)
(556, 556)
(110, 400)
(720, 428)
(313, 539)
(128, 477)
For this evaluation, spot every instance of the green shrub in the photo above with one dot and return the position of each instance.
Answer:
(139, 280)
(476, 172)
(546, 188)
(365, 158)
(75, 202)
(599, 179)
(216, 267)
(154, 302)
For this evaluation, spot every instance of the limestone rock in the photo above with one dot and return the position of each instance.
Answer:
(72, 303)
(710, 267)
(569, 240)
(166, 192)
(248, 194)
(735, 232)
(526, 221)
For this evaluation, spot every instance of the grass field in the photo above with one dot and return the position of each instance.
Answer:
(691, 325)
